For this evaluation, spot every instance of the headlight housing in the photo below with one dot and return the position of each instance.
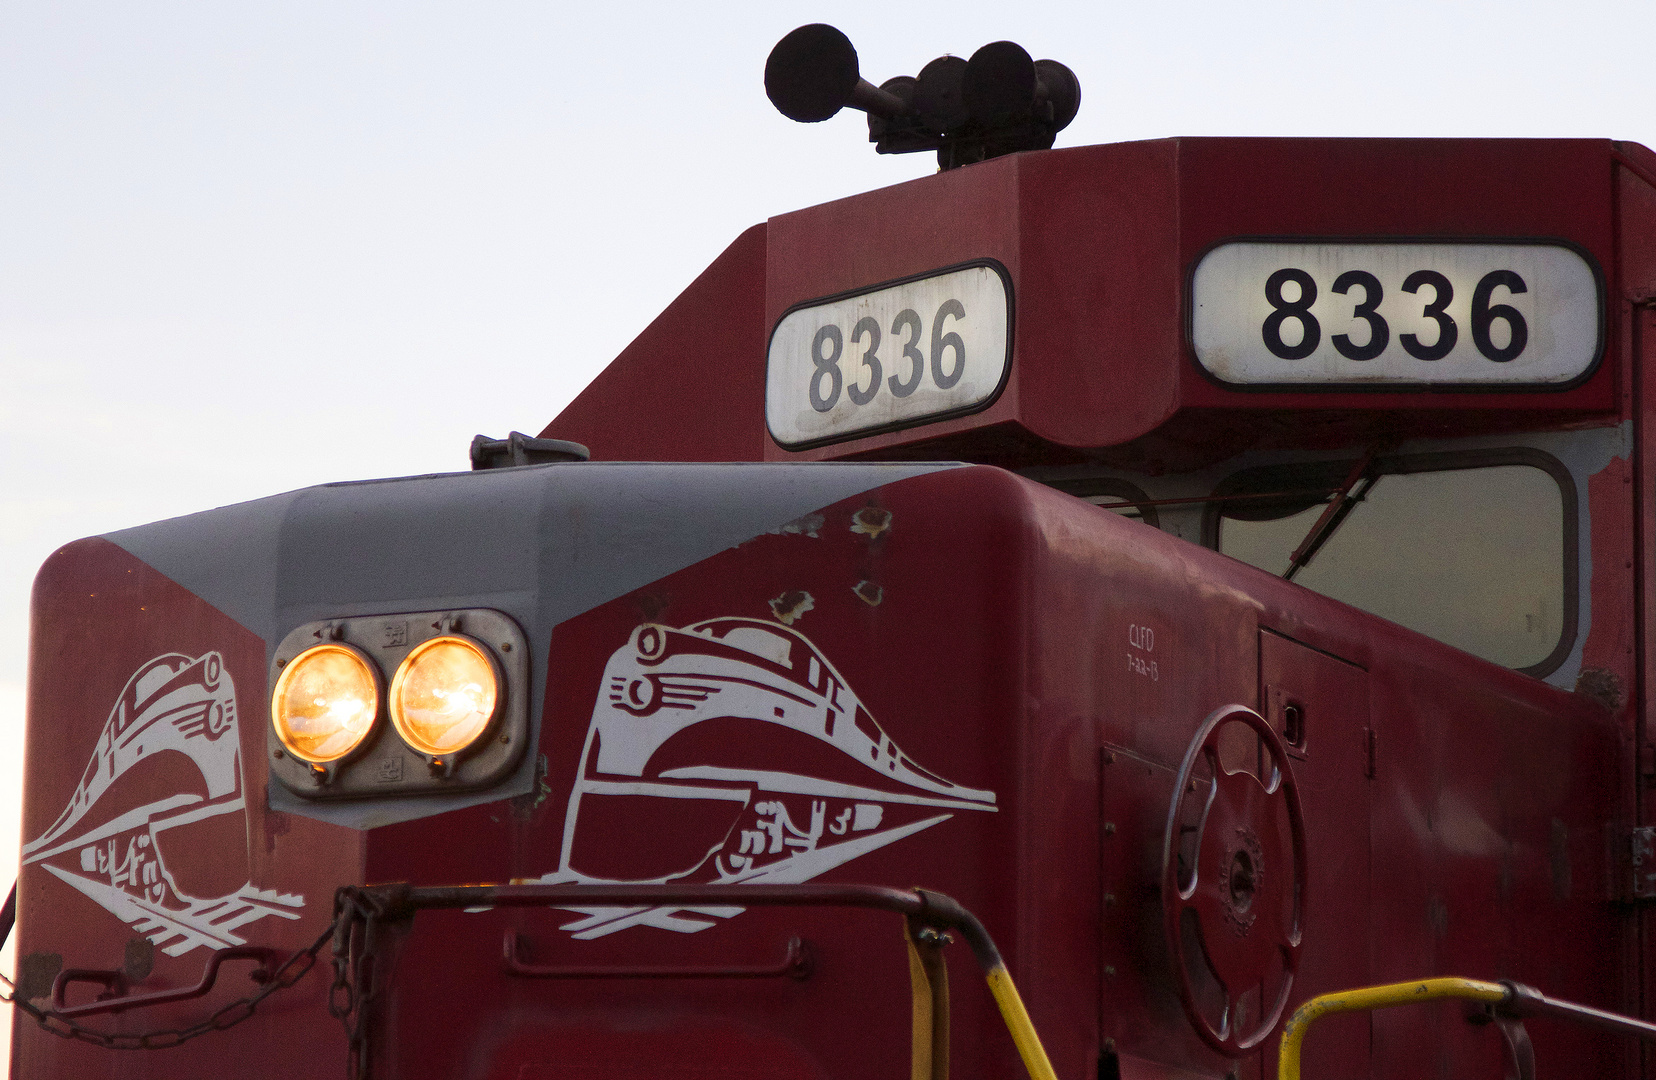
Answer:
(445, 695)
(325, 703)
(458, 703)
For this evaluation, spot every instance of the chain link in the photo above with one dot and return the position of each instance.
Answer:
(358, 915)
(291, 971)
(354, 932)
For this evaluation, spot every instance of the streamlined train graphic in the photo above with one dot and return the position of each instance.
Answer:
(732, 752)
(176, 703)
(1214, 794)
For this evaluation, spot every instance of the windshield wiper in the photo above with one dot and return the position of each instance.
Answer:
(1334, 514)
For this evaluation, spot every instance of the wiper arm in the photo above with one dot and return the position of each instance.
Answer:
(1345, 500)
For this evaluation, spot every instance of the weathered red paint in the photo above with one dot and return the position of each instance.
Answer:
(1461, 818)
(1098, 241)
(100, 614)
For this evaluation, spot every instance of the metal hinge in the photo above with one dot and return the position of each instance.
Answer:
(1636, 859)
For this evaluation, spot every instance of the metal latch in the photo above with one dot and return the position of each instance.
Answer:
(1637, 856)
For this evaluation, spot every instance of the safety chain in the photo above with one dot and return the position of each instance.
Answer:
(359, 915)
(232, 1014)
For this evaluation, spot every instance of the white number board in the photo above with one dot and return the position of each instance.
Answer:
(1377, 314)
(889, 357)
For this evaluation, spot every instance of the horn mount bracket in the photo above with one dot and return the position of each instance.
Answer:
(998, 102)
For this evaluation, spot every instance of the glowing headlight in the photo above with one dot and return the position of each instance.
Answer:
(325, 703)
(444, 695)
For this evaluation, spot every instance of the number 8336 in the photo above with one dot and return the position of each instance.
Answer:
(948, 357)
(1292, 332)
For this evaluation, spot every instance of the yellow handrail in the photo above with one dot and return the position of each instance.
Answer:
(1375, 997)
(1018, 1023)
(929, 981)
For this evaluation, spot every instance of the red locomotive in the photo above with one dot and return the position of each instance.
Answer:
(1204, 575)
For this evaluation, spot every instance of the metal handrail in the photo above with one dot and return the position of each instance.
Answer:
(1508, 1000)
(115, 997)
(923, 910)
(796, 963)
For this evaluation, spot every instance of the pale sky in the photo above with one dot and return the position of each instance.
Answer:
(251, 247)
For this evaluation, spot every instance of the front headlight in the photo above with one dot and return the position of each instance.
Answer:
(325, 703)
(458, 702)
(445, 695)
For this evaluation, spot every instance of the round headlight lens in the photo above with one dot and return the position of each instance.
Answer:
(444, 695)
(325, 703)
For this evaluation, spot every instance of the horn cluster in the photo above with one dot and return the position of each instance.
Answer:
(998, 102)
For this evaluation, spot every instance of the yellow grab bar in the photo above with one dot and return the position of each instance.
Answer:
(941, 910)
(1018, 1024)
(1513, 1001)
(1375, 997)
(929, 980)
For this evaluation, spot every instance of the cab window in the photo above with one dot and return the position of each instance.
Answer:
(1476, 550)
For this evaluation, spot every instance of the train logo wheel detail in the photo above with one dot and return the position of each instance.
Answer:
(732, 752)
(178, 703)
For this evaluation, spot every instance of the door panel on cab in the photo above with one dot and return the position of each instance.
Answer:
(1319, 704)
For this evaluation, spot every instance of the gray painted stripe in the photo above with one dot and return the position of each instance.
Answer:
(542, 543)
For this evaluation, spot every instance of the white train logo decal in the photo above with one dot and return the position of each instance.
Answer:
(732, 752)
(179, 703)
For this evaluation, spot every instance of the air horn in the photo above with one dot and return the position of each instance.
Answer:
(998, 102)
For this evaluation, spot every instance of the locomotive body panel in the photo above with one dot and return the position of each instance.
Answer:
(909, 672)
(1098, 244)
(148, 841)
(953, 679)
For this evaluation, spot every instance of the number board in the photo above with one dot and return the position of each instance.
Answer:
(889, 356)
(1388, 314)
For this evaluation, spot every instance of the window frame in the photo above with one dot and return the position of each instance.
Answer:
(1091, 487)
(1302, 475)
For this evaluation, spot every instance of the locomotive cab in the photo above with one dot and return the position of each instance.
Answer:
(1240, 344)
(1216, 564)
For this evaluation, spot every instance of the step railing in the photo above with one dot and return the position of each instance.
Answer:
(364, 912)
(1509, 1004)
